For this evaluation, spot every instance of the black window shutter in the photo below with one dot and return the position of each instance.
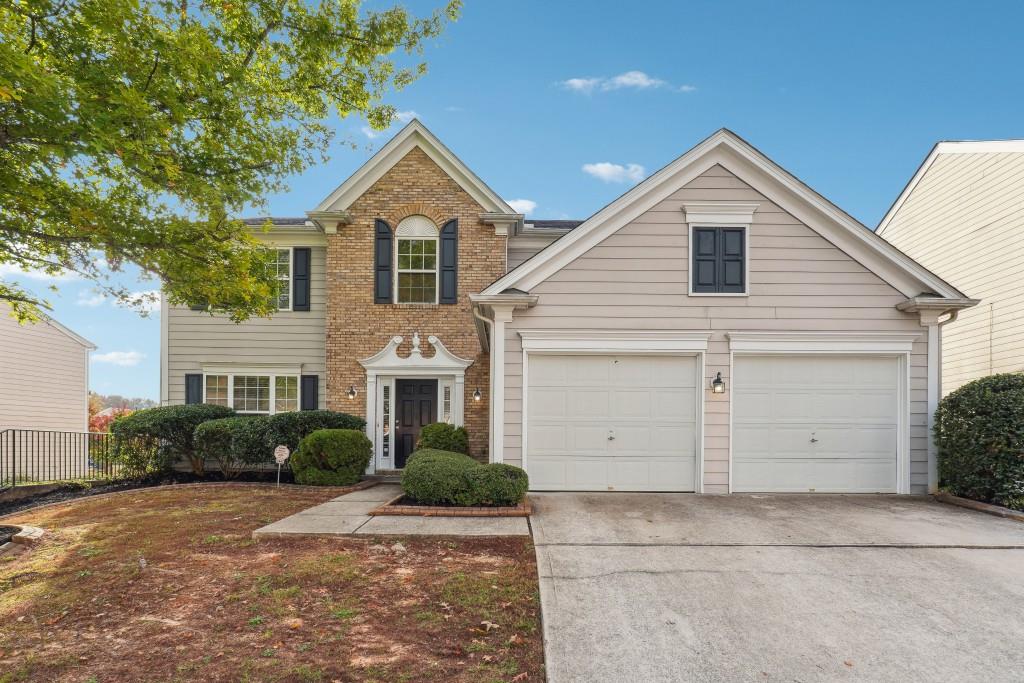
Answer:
(719, 260)
(309, 398)
(300, 278)
(382, 278)
(193, 388)
(449, 272)
(731, 256)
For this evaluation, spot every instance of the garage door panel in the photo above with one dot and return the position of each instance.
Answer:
(815, 423)
(647, 403)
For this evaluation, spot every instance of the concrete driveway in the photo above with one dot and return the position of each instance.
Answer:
(676, 587)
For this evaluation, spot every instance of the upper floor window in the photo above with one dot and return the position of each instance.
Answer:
(416, 261)
(283, 268)
(718, 260)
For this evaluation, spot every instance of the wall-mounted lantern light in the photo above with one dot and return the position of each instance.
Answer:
(718, 384)
(352, 391)
(477, 395)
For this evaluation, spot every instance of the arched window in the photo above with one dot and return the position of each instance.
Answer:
(416, 261)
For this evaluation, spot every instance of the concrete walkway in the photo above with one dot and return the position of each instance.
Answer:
(348, 515)
(675, 587)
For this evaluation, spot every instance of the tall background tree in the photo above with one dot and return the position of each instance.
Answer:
(135, 131)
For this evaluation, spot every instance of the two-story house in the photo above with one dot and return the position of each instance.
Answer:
(720, 327)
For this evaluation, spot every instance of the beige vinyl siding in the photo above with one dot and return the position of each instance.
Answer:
(637, 279)
(45, 377)
(522, 248)
(964, 221)
(287, 338)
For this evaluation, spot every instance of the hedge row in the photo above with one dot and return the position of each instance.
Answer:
(436, 477)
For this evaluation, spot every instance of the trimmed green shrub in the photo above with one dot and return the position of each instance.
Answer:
(235, 443)
(499, 484)
(134, 457)
(292, 427)
(979, 431)
(436, 477)
(442, 436)
(171, 427)
(332, 457)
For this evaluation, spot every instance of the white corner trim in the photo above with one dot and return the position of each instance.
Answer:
(618, 341)
(387, 360)
(415, 134)
(165, 352)
(822, 342)
(723, 213)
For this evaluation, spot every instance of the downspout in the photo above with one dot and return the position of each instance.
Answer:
(489, 324)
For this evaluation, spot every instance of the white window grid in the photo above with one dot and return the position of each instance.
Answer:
(278, 396)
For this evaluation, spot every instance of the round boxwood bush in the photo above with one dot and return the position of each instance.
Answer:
(171, 427)
(498, 484)
(236, 443)
(442, 436)
(979, 432)
(292, 427)
(435, 477)
(332, 457)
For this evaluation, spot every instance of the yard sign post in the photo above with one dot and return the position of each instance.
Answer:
(281, 454)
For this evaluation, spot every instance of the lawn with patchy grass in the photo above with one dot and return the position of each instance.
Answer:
(167, 585)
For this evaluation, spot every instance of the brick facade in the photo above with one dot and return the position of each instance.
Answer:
(358, 328)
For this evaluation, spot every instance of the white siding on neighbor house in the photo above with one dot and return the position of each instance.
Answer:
(964, 221)
(286, 338)
(44, 377)
(637, 279)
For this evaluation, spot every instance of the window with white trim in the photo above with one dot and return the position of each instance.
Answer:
(446, 403)
(253, 394)
(416, 261)
(283, 269)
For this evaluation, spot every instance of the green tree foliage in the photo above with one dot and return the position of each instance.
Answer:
(133, 130)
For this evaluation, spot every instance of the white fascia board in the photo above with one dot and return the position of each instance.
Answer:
(784, 189)
(613, 341)
(415, 134)
(822, 342)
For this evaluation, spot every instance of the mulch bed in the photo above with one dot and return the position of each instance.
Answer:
(167, 585)
(403, 505)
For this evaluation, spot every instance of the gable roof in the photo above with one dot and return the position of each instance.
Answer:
(947, 147)
(67, 332)
(732, 152)
(415, 134)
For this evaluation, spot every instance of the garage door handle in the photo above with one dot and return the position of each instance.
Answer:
(813, 440)
(611, 436)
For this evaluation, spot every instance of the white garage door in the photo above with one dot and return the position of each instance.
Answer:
(611, 423)
(815, 423)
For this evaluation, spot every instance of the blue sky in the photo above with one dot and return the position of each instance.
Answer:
(567, 109)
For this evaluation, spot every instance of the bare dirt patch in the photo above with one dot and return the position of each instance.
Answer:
(167, 585)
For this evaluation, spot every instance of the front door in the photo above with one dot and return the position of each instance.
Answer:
(416, 408)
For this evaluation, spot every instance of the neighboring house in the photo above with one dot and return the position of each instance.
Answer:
(44, 376)
(962, 217)
(720, 327)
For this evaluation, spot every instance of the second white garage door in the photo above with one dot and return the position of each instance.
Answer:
(611, 423)
(815, 423)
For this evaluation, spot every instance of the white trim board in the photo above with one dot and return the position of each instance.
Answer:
(727, 149)
(946, 147)
(822, 342)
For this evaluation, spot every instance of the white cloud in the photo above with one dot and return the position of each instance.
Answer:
(146, 300)
(584, 85)
(90, 299)
(125, 359)
(615, 173)
(634, 80)
(524, 206)
(400, 117)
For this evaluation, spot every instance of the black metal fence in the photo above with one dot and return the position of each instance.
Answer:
(32, 456)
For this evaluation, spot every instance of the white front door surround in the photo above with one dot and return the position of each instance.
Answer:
(386, 366)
